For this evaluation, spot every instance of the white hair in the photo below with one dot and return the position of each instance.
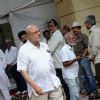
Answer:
(27, 28)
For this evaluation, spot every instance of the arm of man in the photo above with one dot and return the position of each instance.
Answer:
(22, 67)
(65, 56)
(85, 45)
(68, 63)
(26, 76)
(96, 44)
(85, 52)
(54, 42)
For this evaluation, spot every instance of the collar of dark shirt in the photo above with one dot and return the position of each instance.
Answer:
(78, 36)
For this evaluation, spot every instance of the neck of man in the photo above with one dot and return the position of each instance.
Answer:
(37, 44)
(9, 48)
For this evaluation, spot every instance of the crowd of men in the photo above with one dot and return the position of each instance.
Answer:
(61, 61)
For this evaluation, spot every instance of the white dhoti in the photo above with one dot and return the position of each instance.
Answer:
(4, 84)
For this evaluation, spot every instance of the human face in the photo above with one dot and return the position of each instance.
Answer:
(52, 27)
(33, 34)
(23, 38)
(76, 30)
(88, 26)
(47, 35)
(8, 45)
(63, 31)
(71, 38)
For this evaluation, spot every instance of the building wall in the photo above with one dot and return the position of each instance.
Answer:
(71, 10)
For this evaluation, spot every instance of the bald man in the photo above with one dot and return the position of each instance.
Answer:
(36, 66)
(71, 67)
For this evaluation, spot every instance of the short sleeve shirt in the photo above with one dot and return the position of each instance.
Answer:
(39, 65)
(67, 54)
(80, 44)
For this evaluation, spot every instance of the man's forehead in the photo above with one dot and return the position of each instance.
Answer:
(24, 35)
(32, 28)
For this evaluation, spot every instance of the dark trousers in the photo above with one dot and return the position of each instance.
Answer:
(97, 69)
(64, 85)
(20, 82)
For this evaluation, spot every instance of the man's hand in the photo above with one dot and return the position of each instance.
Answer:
(26, 76)
(77, 58)
(91, 59)
(38, 90)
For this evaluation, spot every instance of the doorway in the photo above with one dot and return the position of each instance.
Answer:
(5, 33)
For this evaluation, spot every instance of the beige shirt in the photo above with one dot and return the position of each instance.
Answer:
(55, 44)
(94, 43)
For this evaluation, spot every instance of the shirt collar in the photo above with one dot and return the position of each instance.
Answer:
(30, 45)
(56, 31)
(78, 36)
(9, 49)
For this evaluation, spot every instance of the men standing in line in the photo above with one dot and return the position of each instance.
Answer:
(94, 44)
(85, 71)
(36, 66)
(55, 44)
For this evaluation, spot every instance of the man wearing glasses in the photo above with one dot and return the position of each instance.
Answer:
(36, 66)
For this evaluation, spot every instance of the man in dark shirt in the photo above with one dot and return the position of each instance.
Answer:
(81, 49)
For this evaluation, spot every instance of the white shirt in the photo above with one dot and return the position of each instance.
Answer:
(55, 44)
(67, 54)
(39, 64)
(44, 40)
(94, 43)
(3, 63)
(20, 44)
(4, 82)
(11, 55)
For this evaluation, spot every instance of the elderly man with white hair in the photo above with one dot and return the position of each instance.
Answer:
(71, 67)
(94, 44)
(36, 66)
